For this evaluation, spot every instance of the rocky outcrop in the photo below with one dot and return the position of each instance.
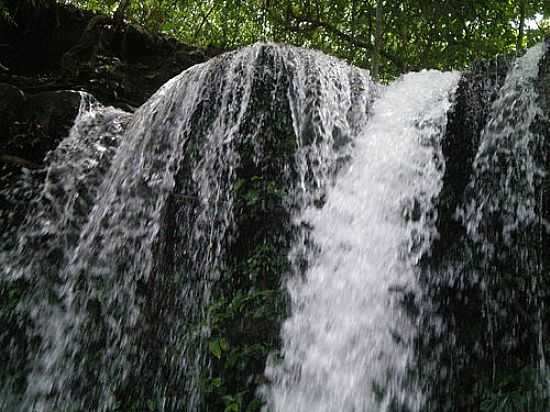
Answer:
(34, 124)
(244, 181)
(49, 46)
(483, 343)
(213, 188)
(50, 50)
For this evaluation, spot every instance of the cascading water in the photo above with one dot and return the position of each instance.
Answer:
(508, 147)
(503, 217)
(101, 330)
(137, 225)
(126, 240)
(55, 213)
(348, 343)
(485, 282)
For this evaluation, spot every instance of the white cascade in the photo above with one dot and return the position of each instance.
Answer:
(347, 344)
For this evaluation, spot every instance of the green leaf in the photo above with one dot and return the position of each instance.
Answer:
(215, 348)
(232, 407)
(224, 344)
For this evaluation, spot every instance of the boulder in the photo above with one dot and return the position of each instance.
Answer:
(51, 46)
(31, 125)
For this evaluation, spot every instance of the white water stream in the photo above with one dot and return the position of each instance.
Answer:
(348, 342)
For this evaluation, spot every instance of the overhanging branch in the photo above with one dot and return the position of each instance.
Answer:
(329, 28)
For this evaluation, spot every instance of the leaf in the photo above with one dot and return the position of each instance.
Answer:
(215, 348)
(232, 407)
(224, 344)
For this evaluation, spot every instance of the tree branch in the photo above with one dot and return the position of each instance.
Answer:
(317, 23)
(204, 20)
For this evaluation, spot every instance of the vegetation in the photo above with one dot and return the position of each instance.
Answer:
(245, 314)
(513, 391)
(388, 37)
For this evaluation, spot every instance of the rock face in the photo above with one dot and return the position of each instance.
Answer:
(30, 127)
(67, 48)
(187, 234)
(12, 103)
(164, 272)
(48, 52)
(34, 124)
(493, 205)
(476, 92)
(49, 48)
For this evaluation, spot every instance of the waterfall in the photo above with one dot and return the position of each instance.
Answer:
(408, 223)
(504, 218)
(508, 148)
(128, 234)
(348, 341)
(485, 281)
(57, 200)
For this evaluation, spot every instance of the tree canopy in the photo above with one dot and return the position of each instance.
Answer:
(412, 34)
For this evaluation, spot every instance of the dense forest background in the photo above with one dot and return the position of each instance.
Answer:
(388, 37)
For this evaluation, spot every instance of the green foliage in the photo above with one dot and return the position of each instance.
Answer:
(242, 337)
(245, 313)
(155, 404)
(217, 346)
(5, 15)
(445, 34)
(515, 391)
(257, 192)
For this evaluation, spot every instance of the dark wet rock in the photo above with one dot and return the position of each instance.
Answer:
(12, 101)
(53, 113)
(39, 35)
(459, 280)
(476, 91)
(544, 79)
(34, 124)
(55, 47)
(49, 49)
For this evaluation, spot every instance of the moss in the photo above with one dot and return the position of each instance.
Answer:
(249, 303)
